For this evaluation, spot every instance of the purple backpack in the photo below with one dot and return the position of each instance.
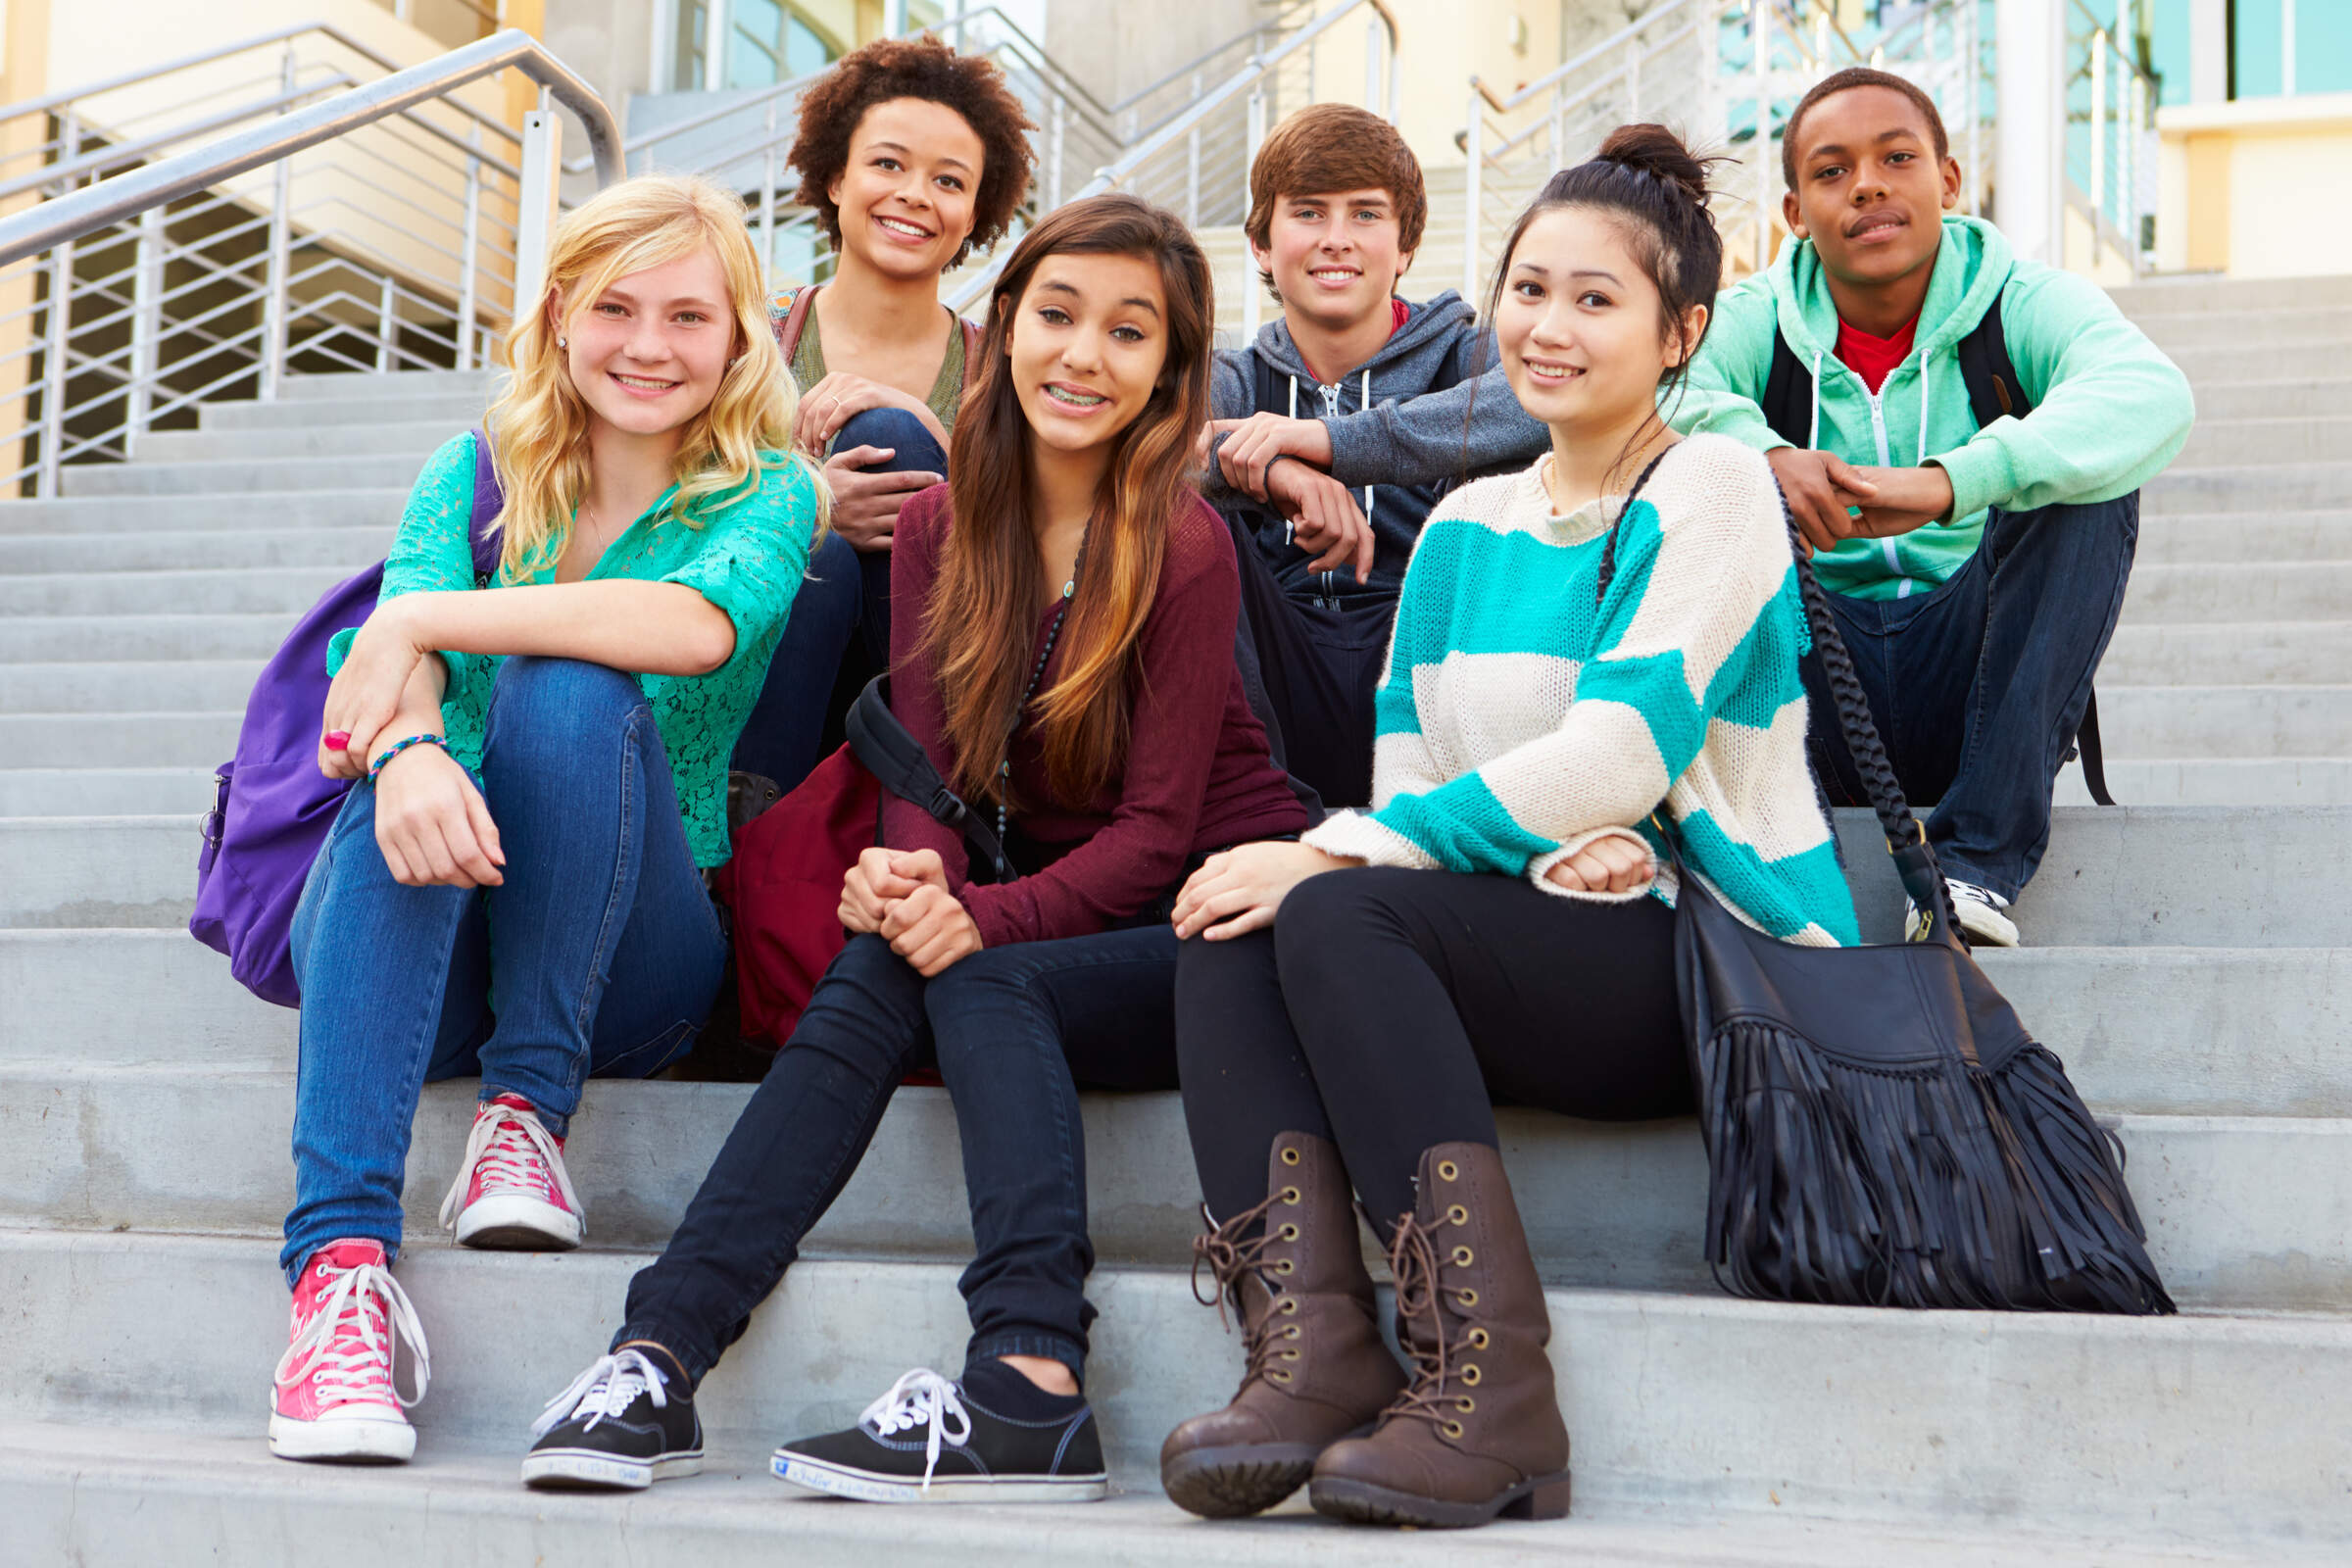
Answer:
(275, 807)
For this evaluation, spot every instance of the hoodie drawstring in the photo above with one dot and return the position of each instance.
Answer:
(1328, 593)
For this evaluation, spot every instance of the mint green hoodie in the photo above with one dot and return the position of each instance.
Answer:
(2110, 410)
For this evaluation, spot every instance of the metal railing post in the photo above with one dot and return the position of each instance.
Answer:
(146, 324)
(1632, 79)
(469, 268)
(387, 324)
(767, 182)
(1372, 64)
(2128, 157)
(1053, 142)
(541, 160)
(1192, 167)
(59, 331)
(279, 261)
(1252, 304)
(1760, 21)
(2098, 138)
(1970, 66)
(1474, 154)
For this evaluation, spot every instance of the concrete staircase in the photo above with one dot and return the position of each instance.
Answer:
(2191, 960)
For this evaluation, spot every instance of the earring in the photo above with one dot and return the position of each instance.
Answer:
(561, 341)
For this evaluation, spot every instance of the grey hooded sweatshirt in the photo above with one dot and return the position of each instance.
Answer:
(1429, 412)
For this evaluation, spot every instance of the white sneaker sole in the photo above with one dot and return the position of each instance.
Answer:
(361, 1440)
(514, 1222)
(1980, 925)
(559, 1469)
(867, 1485)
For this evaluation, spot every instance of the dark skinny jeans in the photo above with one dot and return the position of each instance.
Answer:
(1390, 1010)
(1013, 1031)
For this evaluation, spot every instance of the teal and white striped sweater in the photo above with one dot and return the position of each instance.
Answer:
(1519, 721)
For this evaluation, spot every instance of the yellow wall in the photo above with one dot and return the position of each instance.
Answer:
(2254, 188)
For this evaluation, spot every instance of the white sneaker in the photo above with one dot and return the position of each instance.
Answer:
(335, 1395)
(1978, 909)
(513, 1189)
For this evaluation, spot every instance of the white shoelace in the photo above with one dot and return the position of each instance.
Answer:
(608, 1387)
(352, 1341)
(518, 1154)
(921, 1396)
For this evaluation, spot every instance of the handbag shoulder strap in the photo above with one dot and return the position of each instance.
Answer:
(489, 500)
(888, 750)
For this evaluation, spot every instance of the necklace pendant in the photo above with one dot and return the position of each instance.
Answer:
(1070, 588)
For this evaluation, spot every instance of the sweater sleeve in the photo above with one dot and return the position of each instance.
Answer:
(1229, 398)
(2114, 410)
(1185, 654)
(915, 696)
(1723, 395)
(1470, 427)
(1679, 629)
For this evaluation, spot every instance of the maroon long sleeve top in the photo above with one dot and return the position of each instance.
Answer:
(1197, 776)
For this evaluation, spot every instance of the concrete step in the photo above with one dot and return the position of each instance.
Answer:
(2180, 538)
(104, 791)
(402, 383)
(2273, 399)
(187, 549)
(219, 591)
(2292, 438)
(170, 685)
(166, 739)
(2313, 590)
(1609, 1206)
(53, 639)
(2237, 653)
(2194, 294)
(415, 440)
(234, 477)
(102, 1497)
(2173, 330)
(2268, 489)
(2182, 1429)
(457, 409)
(2220, 358)
(2212, 781)
(323, 508)
(2199, 876)
(2157, 1031)
(2177, 722)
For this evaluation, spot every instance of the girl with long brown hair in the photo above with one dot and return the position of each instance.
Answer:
(1071, 673)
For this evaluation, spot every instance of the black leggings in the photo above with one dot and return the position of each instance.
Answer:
(1390, 1010)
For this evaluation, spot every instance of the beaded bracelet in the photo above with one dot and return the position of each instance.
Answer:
(397, 747)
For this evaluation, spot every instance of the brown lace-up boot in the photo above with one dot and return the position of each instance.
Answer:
(1479, 1433)
(1317, 1368)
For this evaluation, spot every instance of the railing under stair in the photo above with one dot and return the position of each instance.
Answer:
(2111, 144)
(294, 201)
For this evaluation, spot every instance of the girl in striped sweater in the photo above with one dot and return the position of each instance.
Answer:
(1613, 633)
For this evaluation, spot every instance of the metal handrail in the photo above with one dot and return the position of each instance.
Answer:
(1568, 67)
(126, 195)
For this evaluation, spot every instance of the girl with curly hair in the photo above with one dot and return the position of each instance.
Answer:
(912, 155)
(543, 767)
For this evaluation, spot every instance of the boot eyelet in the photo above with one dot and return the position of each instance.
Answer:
(1466, 1298)
(1290, 1233)
(1457, 1216)
(1466, 1404)
(1286, 1266)
(1447, 1170)
(1480, 1339)
(1463, 1257)
(1290, 1196)
(1454, 1430)
(1278, 1376)
(1289, 1306)
(1470, 1375)
(1291, 1355)
(1290, 1156)
(1292, 1331)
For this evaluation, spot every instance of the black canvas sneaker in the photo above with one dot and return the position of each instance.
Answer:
(624, 1424)
(928, 1441)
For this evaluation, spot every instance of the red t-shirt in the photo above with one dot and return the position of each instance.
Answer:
(1196, 775)
(1874, 359)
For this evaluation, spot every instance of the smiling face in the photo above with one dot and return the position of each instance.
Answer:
(905, 195)
(1579, 324)
(648, 353)
(1334, 258)
(1086, 347)
(1870, 190)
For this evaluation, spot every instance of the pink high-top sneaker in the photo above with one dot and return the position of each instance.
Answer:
(336, 1398)
(514, 1188)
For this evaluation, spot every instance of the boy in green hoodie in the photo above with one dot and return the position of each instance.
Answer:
(1976, 565)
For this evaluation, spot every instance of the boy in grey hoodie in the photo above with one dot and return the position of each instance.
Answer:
(1335, 433)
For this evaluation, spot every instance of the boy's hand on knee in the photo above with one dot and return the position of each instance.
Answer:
(1324, 517)
(1820, 487)
(866, 504)
(1904, 499)
(1253, 444)
(433, 825)
(931, 930)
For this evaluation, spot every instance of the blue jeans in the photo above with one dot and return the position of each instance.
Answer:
(1977, 688)
(1013, 1030)
(602, 947)
(837, 635)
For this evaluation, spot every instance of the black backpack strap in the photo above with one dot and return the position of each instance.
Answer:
(1993, 387)
(1789, 394)
(1262, 393)
(899, 762)
(2093, 757)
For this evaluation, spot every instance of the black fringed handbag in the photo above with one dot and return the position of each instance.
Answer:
(1881, 1130)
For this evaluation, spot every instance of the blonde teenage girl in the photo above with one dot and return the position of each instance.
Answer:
(542, 764)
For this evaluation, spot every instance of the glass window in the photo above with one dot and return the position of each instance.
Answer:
(2322, 46)
(2261, 34)
(2256, 33)
(768, 42)
(686, 44)
(2168, 48)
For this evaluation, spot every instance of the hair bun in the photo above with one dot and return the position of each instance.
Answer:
(1656, 151)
